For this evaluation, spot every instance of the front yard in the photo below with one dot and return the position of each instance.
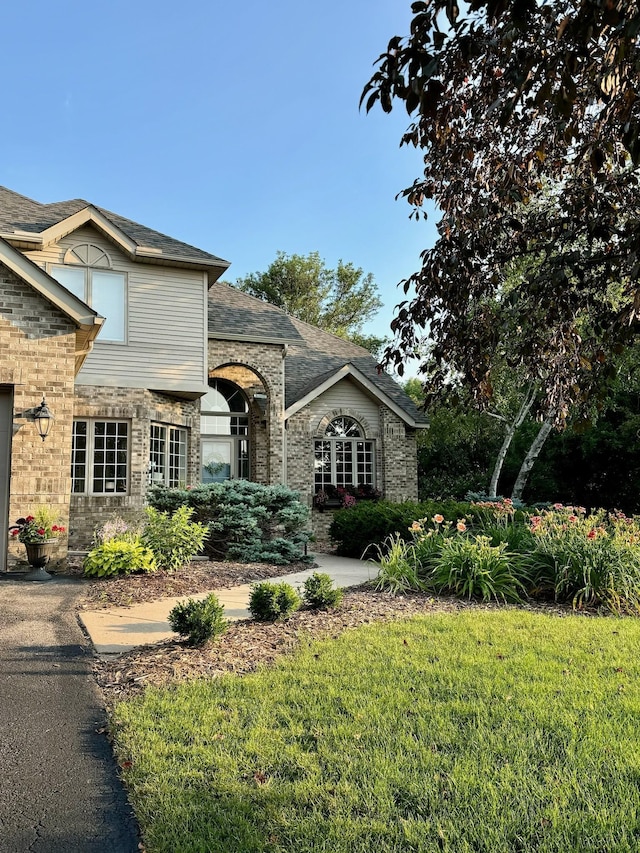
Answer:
(473, 729)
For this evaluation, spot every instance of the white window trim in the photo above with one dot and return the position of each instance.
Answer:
(161, 474)
(88, 298)
(90, 459)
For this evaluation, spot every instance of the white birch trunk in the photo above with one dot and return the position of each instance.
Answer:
(529, 460)
(508, 438)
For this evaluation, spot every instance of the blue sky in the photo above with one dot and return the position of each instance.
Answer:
(233, 126)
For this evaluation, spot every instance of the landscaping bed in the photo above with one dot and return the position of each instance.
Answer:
(248, 644)
(197, 576)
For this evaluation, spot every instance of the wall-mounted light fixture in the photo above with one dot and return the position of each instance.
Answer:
(43, 417)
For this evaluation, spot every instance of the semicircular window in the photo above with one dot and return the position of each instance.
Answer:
(224, 427)
(343, 457)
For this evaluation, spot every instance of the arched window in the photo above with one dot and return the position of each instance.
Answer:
(224, 427)
(88, 275)
(343, 457)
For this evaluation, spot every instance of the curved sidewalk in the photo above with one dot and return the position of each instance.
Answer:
(120, 629)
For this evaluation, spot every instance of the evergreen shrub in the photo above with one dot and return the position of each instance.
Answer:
(248, 522)
(270, 602)
(198, 621)
(319, 591)
(368, 524)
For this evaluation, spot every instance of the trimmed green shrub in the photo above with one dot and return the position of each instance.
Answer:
(319, 591)
(119, 557)
(270, 602)
(245, 521)
(174, 538)
(198, 621)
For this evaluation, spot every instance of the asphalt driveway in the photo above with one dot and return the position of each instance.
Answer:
(59, 787)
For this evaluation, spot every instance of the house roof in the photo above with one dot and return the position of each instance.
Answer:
(86, 320)
(237, 316)
(29, 224)
(315, 359)
(322, 359)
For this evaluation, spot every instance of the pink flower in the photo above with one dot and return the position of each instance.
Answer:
(573, 518)
(438, 518)
(461, 526)
(591, 534)
(558, 506)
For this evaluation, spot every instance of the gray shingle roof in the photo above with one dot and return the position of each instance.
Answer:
(234, 314)
(322, 354)
(19, 213)
(313, 357)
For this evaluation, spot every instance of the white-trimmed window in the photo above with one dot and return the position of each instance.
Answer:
(343, 457)
(88, 275)
(168, 455)
(224, 428)
(100, 457)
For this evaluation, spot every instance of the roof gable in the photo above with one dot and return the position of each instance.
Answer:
(30, 225)
(86, 320)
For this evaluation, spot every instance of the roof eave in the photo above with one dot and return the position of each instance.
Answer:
(349, 371)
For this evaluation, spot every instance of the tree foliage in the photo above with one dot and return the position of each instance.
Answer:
(338, 300)
(511, 100)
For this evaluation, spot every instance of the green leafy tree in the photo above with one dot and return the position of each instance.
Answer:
(338, 300)
(508, 102)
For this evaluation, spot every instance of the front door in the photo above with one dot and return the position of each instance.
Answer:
(6, 432)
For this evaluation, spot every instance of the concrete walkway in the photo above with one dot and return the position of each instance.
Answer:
(120, 629)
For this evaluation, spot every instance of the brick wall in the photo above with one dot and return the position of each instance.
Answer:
(37, 355)
(140, 408)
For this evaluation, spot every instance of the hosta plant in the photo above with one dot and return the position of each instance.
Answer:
(118, 557)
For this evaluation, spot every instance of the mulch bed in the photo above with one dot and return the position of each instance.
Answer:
(249, 644)
(199, 576)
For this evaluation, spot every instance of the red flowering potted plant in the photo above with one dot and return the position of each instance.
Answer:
(39, 534)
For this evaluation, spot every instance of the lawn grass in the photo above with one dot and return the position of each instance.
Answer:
(482, 731)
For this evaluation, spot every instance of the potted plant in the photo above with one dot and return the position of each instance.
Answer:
(39, 534)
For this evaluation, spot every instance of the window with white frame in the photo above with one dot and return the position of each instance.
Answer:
(100, 457)
(343, 457)
(224, 429)
(168, 455)
(88, 275)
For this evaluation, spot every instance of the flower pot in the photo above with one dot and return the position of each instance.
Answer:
(39, 553)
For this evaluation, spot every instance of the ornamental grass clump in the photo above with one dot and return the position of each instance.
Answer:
(589, 560)
(397, 563)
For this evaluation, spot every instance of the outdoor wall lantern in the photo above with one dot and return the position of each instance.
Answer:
(43, 417)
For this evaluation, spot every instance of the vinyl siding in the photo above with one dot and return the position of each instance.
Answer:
(165, 347)
(347, 397)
